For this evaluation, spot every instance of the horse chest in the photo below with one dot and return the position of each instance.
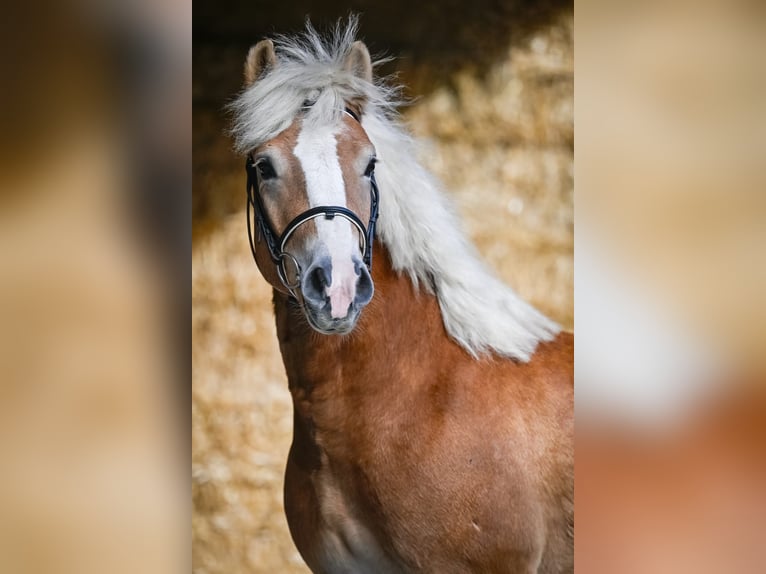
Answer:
(343, 542)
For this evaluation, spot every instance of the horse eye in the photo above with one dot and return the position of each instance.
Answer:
(265, 169)
(370, 167)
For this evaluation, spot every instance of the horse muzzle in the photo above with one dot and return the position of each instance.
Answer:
(334, 295)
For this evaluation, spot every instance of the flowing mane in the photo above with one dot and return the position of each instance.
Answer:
(417, 223)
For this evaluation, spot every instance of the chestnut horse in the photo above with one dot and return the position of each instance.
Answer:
(433, 408)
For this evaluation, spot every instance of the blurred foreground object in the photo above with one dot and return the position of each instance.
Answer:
(670, 277)
(89, 425)
(689, 501)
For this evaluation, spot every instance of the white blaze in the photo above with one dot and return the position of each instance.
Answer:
(316, 149)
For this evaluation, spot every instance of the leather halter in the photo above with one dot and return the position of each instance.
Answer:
(276, 243)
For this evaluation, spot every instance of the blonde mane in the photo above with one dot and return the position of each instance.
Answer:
(417, 224)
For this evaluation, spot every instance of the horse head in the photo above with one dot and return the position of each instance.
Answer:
(313, 192)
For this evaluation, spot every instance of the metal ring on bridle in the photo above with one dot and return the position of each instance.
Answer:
(282, 271)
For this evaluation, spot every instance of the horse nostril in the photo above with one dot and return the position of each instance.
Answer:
(364, 287)
(319, 279)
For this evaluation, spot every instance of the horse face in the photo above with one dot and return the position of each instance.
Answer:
(309, 166)
(313, 164)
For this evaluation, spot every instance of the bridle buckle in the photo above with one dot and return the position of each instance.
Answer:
(282, 272)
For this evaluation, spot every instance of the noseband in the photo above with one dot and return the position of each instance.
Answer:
(276, 243)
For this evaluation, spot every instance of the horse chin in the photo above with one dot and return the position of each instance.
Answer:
(321, 321)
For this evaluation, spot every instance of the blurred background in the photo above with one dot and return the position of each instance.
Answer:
(94, 294)
(670, 249)
(491, 90)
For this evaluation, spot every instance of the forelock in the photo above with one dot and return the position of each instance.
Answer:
(309, 78)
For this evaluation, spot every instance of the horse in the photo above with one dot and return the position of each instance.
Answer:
(433, 407)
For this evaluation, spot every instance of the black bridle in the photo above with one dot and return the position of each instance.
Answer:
(276, 243)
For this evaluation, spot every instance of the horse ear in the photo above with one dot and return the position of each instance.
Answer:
(358, 61)
(260, 59)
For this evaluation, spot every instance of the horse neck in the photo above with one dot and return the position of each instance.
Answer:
(398, 334)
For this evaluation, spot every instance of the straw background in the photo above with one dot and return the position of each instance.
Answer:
(493, 90)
